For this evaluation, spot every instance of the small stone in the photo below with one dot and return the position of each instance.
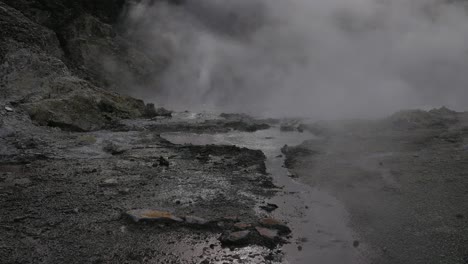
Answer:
(163, 112)
(238, 237)
(355, 243)
(113, 148)
(124, 191)
(299, 248)
(269, 207)
(242, 226)
(8, 109)
(150, 111)
(194, 220)
(22, 182)
(275, 224)
(163, 162)
(270, 234)
(231, 218)
(109, 182)
(152, 215)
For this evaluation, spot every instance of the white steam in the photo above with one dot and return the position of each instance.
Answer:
(316, 58)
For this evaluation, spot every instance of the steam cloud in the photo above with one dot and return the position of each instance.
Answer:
(316, 58)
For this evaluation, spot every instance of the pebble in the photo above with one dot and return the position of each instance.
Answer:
(8, 109)
(109, 182)
(124, 191)
(22, 182)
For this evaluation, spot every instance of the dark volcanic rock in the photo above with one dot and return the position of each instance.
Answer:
(275, 224)
(235, 238)
(113, 148)
(151, 111)
(30, 56)
(412, 119)
(96, 52)
(56, 13)
(34, 72)
(269, 207)
(89, 110)
(270, 234)
(163, 162)
(194, 220)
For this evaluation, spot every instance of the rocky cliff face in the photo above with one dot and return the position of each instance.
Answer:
(62, 61)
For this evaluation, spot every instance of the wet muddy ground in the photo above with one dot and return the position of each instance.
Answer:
(204, 188)
(404, 185)
(66, 196)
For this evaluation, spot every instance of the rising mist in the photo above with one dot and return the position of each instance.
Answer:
(315, 58)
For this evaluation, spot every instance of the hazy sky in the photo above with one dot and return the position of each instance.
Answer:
(318, 58)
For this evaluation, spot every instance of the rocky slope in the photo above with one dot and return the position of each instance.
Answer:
(61, 62)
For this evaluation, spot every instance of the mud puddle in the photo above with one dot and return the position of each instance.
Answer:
(318, 220)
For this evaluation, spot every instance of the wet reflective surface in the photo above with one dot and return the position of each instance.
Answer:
(318, 220)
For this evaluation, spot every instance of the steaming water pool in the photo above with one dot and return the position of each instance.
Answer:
(318, 221)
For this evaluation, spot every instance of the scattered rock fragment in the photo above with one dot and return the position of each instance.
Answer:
(356, 243)
(163, 112)
(8, 109)
(194, 220)
(267, 233)
(109, 182)
(275, 224)
(124, 191)
(163, 162)
(242, 226)
(235, 238)
(269, 207)
(22, 182)
(113, 148)
(152, 216)
(152, 112)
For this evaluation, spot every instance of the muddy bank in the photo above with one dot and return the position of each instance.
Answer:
(318, 221)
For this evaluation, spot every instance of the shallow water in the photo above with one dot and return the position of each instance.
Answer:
(318, 221)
